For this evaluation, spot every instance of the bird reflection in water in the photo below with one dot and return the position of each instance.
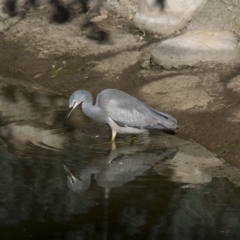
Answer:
(122, 165)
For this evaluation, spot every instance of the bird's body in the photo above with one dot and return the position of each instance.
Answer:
(122, 112)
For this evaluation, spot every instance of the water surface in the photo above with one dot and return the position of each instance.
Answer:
(72, 183)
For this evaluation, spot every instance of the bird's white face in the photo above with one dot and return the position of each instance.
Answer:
(76, 98)
(72, 104)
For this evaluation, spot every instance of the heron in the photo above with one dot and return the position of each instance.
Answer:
(122, 112)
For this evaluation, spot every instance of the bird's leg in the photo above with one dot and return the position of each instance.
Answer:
(113, 135)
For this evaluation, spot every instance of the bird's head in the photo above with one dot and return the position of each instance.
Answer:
(76, 98)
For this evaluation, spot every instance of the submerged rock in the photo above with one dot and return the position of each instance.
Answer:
(197, 47)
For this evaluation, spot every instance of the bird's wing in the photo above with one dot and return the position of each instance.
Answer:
(126, 110)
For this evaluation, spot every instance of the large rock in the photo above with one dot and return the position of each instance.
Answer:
(196, 47)
(179, 92)
(165, 19)
(218, 15)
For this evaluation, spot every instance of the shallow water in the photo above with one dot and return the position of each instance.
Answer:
(72, 183)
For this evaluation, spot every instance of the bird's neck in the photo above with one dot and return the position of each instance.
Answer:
(93, 111)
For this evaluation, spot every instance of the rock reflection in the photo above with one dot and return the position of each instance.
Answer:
(26, 117)
(193, 164)
(31, 120)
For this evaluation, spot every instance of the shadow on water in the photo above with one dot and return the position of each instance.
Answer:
(72, 183)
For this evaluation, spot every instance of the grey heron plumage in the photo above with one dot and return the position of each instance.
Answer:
(122, 112)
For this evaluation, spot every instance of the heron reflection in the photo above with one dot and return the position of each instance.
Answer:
(122, 165)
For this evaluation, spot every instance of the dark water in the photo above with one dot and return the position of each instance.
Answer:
(71, 183)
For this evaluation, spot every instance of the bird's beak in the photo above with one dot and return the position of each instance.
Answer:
(67, 115)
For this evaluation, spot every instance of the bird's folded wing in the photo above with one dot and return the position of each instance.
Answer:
(126, 110)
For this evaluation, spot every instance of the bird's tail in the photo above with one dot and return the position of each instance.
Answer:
(167, 122)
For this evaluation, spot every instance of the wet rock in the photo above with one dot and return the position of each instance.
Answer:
(165, 19)
(196, 47)
(180, 92)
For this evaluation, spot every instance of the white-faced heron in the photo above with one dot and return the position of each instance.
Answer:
(122, 112)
